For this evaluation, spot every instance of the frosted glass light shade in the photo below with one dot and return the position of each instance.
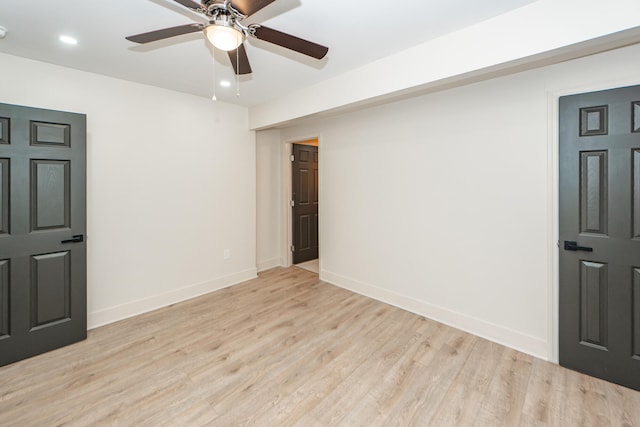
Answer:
(223, 37)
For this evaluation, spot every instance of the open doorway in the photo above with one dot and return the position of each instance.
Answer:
(304, 205)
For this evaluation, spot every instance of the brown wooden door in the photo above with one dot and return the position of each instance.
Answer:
(600, 234)
(42, 227)
(305, 203)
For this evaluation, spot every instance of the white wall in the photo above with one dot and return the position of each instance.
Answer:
(270, 233)
(445, 204)
(545, 31)
(171, 184)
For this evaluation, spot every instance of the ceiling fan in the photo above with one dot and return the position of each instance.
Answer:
(225, 32)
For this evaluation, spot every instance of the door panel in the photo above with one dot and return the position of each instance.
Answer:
(636, 194)
(304, 232)
(636, 312)
(4, 130)
(50, 134)
(43, 204)
(50, 194)
(593, 303)
(599, 210)
(4, 196)
(304, 182)
(593, 192)
(305, 198)
(4, 298)
(50, 288)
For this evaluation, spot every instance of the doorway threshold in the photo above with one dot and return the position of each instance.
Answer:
(312, 266)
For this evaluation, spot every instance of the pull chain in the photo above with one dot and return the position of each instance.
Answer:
(238, 64)
(213, 55)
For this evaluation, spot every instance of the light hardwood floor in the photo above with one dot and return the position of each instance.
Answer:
(287, 349)
(312, 266)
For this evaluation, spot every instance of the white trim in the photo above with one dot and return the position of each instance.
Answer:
(270, 263)
(553, 168)
(320, 201)
(522, 342)
(553, 145)
(288, 196)
(134, 308)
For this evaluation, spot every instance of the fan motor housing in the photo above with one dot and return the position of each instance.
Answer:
(224, 19)
(215, 8)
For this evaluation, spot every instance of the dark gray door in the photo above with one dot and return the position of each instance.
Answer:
(305, 203)
(42, 225)
(600, 234)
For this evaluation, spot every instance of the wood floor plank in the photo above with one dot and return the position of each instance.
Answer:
(504, 400)
(469, 387)
(321, 386)
(302, 364)
(546, 396)
(387, 377)
(427, 391)
(384, 365)
(286, 349)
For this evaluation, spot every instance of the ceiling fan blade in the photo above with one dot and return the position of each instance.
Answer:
(249, 7)
(239, 60)
(190, 4)
(287, 40)
(165, 33)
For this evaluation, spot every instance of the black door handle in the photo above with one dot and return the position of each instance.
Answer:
(573, 246)
(78, 238)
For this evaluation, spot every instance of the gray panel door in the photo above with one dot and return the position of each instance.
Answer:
(305, 203)
(600, 234)
(42, 227)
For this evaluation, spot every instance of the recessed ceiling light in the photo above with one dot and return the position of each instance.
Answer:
(68, 40)
(225, 83)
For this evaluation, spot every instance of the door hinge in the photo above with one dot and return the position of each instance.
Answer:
(293, 248)
(293, 203)
(292, 157)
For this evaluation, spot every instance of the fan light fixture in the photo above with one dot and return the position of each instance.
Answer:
(224, 37)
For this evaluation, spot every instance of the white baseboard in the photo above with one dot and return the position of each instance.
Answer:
(522, 342)
(133, 308)
(270, 263)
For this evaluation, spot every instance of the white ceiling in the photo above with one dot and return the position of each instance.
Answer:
(357, 32)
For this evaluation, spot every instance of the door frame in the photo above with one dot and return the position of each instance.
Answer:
(288, 195)
(553, 195)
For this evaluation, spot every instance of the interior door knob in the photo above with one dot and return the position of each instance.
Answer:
(573, 246)
(78, 238)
